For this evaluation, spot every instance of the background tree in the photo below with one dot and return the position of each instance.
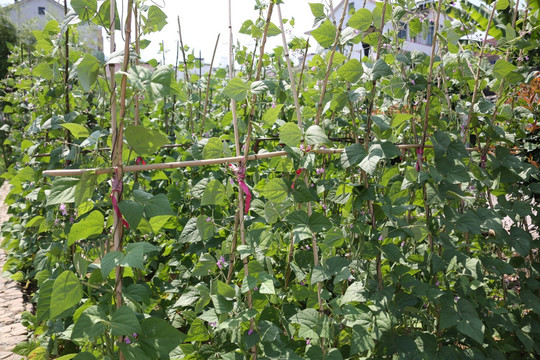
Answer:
(8, 35)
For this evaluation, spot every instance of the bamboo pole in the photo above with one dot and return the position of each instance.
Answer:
(366, 145)
(208, 84)
(420, 151)
(207, 162)
(477, 77)
(289, 68)
(330, 61)
(186, 76)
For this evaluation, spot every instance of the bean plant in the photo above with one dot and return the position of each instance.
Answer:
(343, 206)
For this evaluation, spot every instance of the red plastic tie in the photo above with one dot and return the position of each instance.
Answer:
(298, 172)
(140, 161)
(117, 187)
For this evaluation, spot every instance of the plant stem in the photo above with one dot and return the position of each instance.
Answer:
(186, 77)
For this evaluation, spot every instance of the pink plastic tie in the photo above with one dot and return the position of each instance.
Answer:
(117, 187)
(241, 176)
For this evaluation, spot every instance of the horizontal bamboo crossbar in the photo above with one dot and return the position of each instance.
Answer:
(193, 163)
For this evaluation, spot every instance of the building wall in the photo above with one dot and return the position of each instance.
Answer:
(35, 14)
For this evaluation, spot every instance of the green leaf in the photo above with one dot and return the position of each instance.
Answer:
(224, 289)
(91, 225)
(124, 322)
(85, 9)
(157, 19)
(473, 328)
(415, 27)
(190, 233)
(325, 34)
(316, 136)
(86, 188)
(502, 68)
(361, 340)
(77, 130)
(317, 9)
(271, 115)
(111, 260)
(290, 134)
(35, 221)
(381, 69)
(159, 338)
(213, 149)
(145, 142)
(67, 292)
(158, 205)
(236, 89)
(132, 211)
(88, 71)
(214, 194)
(502, 4)
(319, 274)
(90, 324)
(62, 191)
(400, 119)
(369, 163)
(43, 70)
(197, 331)
(361, 20)
(352, 155)
(205, 228)
(351, 71)
(521, 240)
(275, 190)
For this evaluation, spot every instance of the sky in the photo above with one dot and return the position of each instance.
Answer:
(203, 20)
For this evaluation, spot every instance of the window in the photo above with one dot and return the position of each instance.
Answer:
(402, 31)
(41, 10)
(431, 32)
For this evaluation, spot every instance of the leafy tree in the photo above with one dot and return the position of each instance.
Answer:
(8, 35)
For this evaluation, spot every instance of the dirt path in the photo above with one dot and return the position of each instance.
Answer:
(11, 300)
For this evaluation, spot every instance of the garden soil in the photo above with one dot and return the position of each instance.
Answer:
(11, 299)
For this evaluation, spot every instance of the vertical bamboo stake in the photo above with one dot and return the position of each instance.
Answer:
(330, 61)
(137, 115)
(186, 77)
(289, 68)
(66, 65)
(477, 77)
(208, 84)
(303, 66)
(366, 145)
(420, 151)
(117, 146)
(112, 72)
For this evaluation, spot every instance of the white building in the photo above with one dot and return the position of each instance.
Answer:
(35, 14)
(421, 42)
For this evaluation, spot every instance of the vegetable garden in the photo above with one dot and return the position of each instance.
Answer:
(346, 207)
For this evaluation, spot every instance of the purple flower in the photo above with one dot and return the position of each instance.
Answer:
(127, 340)
(221, 262)
(307, 247)
(250, 331)
(273, 105)
(437, 283)
(456, 298)
(313, 68)
(302, 283)
(256, 288)
(208, 219)
(381, 238)
(212, 324)
(308, 341)
(63, 209)
(402, 243)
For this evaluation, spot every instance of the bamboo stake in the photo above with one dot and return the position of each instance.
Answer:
(207, 162)
(66, 65)
(420, 153)
(477, 77)
(289, 68)
(330, 61)
(186, 76)
(112, 71)
(366, 145)
(208, 83)
(303, 66)
(136, 115)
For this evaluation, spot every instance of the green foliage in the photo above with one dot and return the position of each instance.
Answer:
(420, 253)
